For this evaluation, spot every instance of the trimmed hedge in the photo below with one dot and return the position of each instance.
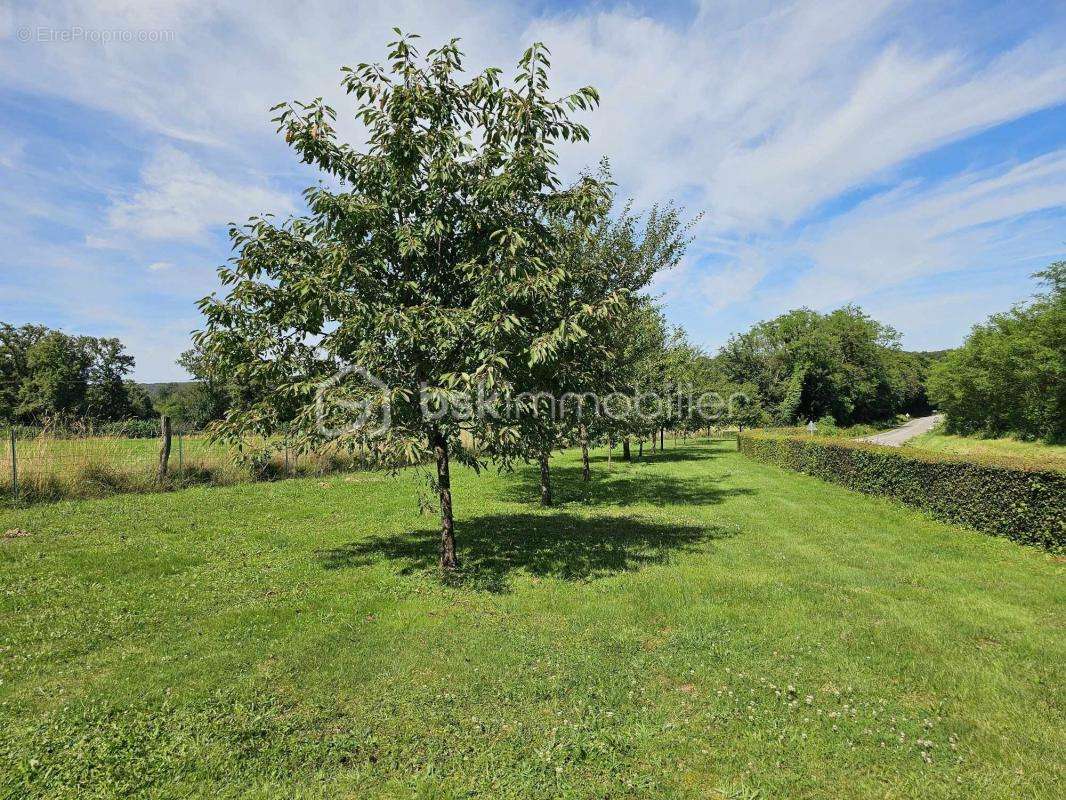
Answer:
(1024, 502)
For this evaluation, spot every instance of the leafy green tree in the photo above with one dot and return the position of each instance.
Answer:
(421, 273)
(15, 344)
(206, 398)
(743, 408)
(637, 375)
(58, 368)
(50, 375)
(1010, 375)
(807, 366)
(107, 394)
(140, 402)
(621, 254)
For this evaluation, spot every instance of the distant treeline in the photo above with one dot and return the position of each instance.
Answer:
(802, 365)
(47, 374)
(54, 379)
(844, 365)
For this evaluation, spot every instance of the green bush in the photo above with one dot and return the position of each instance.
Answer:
(1010, 375)
(1020, 500)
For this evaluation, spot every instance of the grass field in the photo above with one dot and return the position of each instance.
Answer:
(1006, 447)
(696, 626)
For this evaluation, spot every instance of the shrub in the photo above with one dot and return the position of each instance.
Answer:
(128, 429)
(1016, 498)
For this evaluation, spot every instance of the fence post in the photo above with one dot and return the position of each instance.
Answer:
(14, 467)
(164, 453)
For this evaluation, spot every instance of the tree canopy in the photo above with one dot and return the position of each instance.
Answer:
(1010, 375)
(48, 375)
(844, 364)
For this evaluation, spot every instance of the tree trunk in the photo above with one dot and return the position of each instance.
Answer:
(626, 454)
(640, 450)
(583, 432)
(610, 450)
(545, 481)
(448, 561)
(653, 441)
(164, 452)
(662, 437)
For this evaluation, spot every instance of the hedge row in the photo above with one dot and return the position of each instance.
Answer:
(1022, 502)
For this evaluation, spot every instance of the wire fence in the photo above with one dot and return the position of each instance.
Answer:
(41, 464)
(83, 462)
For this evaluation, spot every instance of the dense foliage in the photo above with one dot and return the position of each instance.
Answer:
(615, 256)
(1023, 502)
(845, 365)
(1010, 375)
(48, 375)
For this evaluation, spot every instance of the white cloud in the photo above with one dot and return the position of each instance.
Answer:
(159, 266)
(755, 112)
(733, 284)
(215, 79)
(180, 199)
(764, 122)
(972, 220)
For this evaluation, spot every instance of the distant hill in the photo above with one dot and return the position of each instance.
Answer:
(156, 390)
(932, 355)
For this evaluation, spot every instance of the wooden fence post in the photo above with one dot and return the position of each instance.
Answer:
(164, 453)
(14, 467)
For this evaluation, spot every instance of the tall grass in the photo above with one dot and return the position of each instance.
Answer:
(54, 465)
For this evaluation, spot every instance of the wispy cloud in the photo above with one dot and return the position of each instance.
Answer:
(179, 199)
(915, 230)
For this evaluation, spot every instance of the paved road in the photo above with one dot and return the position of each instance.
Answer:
(897, 436)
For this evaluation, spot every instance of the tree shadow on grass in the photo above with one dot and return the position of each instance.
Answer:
(563, 546)
(631, 487)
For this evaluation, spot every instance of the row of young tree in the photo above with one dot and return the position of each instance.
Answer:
(48, 375)
(1010, 375)
(449, 263)
(445, 260)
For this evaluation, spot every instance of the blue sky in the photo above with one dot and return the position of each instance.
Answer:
(909, 157)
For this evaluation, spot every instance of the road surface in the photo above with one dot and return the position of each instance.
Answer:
(897, 436)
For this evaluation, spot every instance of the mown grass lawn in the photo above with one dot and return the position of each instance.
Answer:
(696, 626)
(1052, 455)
